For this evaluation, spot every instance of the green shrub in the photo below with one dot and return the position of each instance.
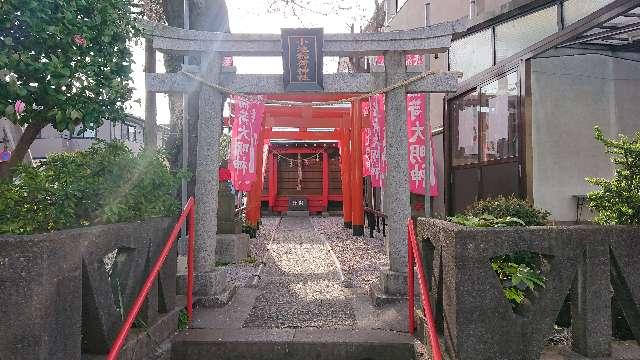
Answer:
(519, 272)
(486, 221)
(509, 207)
(618, 200)
(105, 184)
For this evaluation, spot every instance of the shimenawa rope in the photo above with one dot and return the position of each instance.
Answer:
(402, 83)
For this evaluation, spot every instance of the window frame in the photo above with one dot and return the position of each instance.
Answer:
(83, 136)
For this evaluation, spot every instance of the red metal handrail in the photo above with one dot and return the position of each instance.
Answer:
(188, 211)
(414, 255)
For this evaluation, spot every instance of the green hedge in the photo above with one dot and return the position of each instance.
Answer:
(105, 184)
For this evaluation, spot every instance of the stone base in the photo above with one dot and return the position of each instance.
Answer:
(358, 230)
(233, 226)
(218, 300)
(325, 214)
(347, 224)
(232, 248)
(379, 298)
(393, 283)
(209, 283)
(298, 213)
(390, 288)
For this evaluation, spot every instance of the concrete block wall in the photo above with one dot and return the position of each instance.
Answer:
(57, 299)
(477, 321)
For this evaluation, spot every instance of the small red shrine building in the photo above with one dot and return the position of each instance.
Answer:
(309, 170)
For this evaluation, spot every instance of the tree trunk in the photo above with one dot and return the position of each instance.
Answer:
(23, 145)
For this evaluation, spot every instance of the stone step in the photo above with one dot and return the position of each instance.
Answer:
(292, 344)
(298, 213)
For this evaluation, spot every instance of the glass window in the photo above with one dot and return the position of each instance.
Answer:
(128, 132)
(499, 118)
(132, 133)
(472, 54)
(519, 34)
(464, 121)
(574, 10)
(82, 133)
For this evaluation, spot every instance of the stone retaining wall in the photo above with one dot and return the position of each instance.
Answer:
(477, 321)
(57, 299)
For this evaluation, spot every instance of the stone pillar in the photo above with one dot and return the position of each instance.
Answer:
(591, 301)
(150, 133)
(209, 281)
(393, 280)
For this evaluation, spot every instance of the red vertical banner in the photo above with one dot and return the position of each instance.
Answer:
(366, 152)
(416, 124)
(377, 142)
(247, 124)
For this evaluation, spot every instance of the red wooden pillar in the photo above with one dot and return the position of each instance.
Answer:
(273, 191)
(270, 168)
(253, 199)
(357, 207)
(325, 180)
(345, 172)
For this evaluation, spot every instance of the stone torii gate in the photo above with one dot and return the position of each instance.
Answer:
(212, 47)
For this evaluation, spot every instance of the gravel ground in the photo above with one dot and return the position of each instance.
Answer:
(300, 286)
(360, 257)
(242, 274)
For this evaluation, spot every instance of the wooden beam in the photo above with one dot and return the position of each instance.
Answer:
(309, 97)
(303, 135)
(288, 121)
(316, 112)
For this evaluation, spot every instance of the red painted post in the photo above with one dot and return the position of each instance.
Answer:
(345, 158)
(410, 290)
(357, 198)
(190, 259)
(424, 294)
(325, 180)
(271, 182)
(275, 179)
(252, 211)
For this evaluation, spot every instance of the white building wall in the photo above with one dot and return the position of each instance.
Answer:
(571, 94)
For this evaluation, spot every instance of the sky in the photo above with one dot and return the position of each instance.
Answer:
(254, 16)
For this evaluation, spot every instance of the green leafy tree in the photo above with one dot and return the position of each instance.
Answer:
(618, 199)
(64, 62)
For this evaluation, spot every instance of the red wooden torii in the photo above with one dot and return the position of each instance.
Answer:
(347, 121)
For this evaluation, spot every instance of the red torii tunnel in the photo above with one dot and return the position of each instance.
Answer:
(312, 123)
